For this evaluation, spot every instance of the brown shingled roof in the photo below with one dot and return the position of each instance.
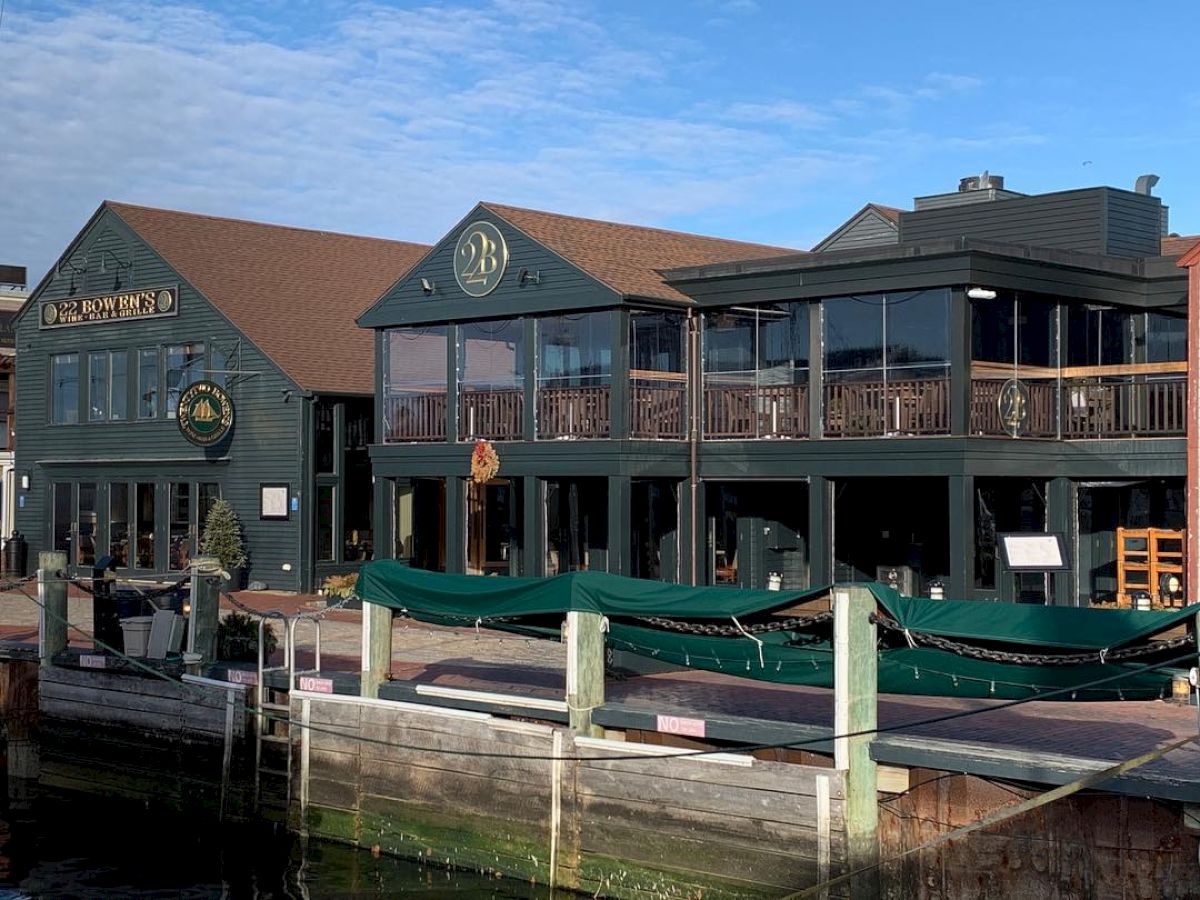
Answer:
(1175, 245)
(628, 258)
(294, 292)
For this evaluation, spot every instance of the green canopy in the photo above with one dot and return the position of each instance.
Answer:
(1024, 623)
(391, 583)
(796, 654)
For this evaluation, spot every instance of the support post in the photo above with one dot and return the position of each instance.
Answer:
(376, 648)
(855, 686)
(206, 608)
(52, 614)
(585, 670)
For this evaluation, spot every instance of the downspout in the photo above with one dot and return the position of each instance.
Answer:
(694, 388)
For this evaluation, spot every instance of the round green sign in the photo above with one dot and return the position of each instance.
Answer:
(205, 413)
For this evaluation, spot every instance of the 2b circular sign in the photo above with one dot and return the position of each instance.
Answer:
(480, 258)
(205, 413)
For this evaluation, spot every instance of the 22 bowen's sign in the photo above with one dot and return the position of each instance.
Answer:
(205, 413)
(149, 304)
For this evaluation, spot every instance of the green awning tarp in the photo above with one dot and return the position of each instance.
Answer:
(1022, 623)
(799, 656)
(394, 584)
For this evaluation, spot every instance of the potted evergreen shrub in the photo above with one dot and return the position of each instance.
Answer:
(223, 539)
(237, 638)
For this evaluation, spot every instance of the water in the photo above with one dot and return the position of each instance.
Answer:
(70, 847)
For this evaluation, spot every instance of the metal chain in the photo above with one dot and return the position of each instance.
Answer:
(1032, 659)
(87, 588)
(274, 614)
(709, 629)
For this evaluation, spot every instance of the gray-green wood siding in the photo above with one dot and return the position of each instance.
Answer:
(266, 441)
(1094, 220)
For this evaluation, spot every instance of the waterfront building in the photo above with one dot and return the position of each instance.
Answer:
(169, 359)
(889, 406)
(13, 293)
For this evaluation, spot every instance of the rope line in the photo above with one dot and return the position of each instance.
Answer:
(743, 748)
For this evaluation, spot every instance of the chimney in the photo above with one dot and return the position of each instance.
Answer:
(982, 188)
(982, 182)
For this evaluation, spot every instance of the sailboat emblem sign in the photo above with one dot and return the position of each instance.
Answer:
(205, 413)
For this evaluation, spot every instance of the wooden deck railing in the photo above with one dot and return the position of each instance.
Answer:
(584, 412)
(1124, 408)
(750, 411)
(867, 408)
(492, 415)
(414, 417)
(658, 409)
(1042, 418)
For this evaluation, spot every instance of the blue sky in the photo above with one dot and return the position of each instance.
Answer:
(766, 121)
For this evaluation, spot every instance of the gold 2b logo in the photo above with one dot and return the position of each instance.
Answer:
(480, 259)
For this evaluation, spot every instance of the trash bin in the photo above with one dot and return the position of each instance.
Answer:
(16, 555)
(136, 632)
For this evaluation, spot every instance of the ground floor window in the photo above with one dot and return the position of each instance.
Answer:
(1103, 507)
(419, 509)
(654, 530)
(1007, 506)
(495, 527)
(892, 529)
(576, 524)
(758, 533)
(325, 495)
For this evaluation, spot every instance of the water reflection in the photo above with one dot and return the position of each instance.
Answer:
(70, 847)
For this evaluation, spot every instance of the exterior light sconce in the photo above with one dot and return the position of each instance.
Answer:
(427, 286)
(24, 481)
(979, 293)
(120, 264)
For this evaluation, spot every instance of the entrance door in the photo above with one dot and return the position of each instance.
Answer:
(73, 526)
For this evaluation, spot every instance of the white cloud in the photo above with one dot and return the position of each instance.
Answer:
(388, 121)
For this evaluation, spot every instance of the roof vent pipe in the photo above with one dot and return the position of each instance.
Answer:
(1145, 184)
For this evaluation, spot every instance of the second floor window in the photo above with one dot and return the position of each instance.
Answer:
(185, 366)
(148, 383)
(64, 388)
(108, 386)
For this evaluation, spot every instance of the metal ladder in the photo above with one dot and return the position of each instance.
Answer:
(274, 731)
(271, 721)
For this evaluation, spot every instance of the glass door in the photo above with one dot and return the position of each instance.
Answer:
(85, 545)
(180, 527)
(144, 510)
(118, 523)
(62, 526)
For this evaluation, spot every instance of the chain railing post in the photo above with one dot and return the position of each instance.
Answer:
(52, 615)
(205, 593)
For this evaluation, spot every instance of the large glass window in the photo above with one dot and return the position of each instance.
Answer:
(756, 371)
(420, 523)
(86, 546)
(657, 376)
(1098, 336)
(1014, 338)
(491, 379)
(757, 530)
(414, 384)
(180, 525)
(118, 386)
(144, 498)
(325, 524)
(147, 383)
(575, 375)
(98, 387)
(118, 522)
(495, 527)
(324, 457)
(576, 525)
(1166, 338)
(64, 388)
(654, 530)
(1004, 506)
(185, 366)
(63, 525)
(887, 363)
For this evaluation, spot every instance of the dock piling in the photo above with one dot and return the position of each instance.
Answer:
(585, 670)
(376, 648)
(206, 607)
(52, 615)
(855, 711)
